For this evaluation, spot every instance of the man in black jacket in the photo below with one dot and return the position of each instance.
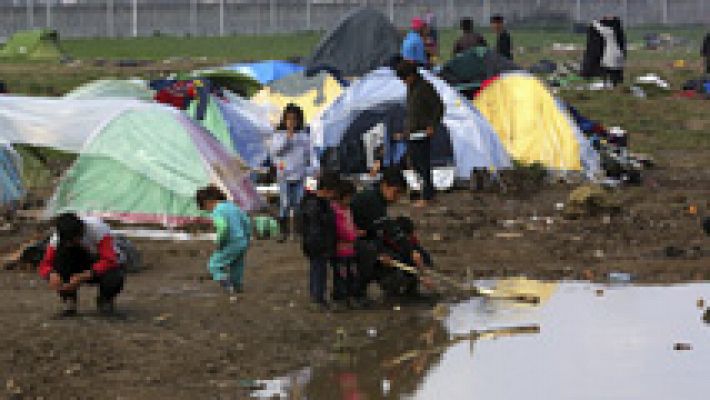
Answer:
(504, 45)
(319, 236)
(425, 112)
(469, 39)
(369, 209)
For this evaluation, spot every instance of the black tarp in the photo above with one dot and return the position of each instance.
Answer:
(361, 42)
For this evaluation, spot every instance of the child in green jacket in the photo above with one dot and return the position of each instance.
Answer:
(233, 229)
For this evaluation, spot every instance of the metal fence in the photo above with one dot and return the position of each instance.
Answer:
(124, 18)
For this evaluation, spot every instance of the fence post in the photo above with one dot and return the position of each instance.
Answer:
(390, 6)
(193, 17)
(625, 11)
(578, 11)
(135, 18)
(48, 9)
(30, 15)
(221, 17)
(664, 12)
(486, 13)
(272, 15)
(308, 15)
(109, 18)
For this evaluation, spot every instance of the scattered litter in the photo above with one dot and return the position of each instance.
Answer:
(223, 336)
(619, 277)
(509, 235)
(372, 332)
(693, 209)
(162, 317)
(436, 237)
(682, 347)
(165, 235)
(706, 316)
(599, 292)
(638, 92)
(559, 206)
(564, 47)
(700, 303)
(233, 299)
(396, 308)
(653, 79)
(386, 386)
(599, 253)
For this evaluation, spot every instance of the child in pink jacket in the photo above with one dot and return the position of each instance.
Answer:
(344, 267)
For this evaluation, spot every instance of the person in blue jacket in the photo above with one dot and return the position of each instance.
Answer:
(233, 229)
(413, 49)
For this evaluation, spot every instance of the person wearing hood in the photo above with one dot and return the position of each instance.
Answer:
(413, 49)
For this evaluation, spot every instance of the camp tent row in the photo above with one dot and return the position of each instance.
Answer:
(138, 162)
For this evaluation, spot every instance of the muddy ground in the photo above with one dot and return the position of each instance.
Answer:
(180, 337)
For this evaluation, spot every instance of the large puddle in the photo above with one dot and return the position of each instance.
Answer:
(582, 341)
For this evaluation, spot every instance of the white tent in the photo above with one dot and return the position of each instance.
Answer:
(474, 142)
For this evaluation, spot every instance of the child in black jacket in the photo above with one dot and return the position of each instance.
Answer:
(319, 236)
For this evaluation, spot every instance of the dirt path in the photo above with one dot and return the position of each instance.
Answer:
(181, 337)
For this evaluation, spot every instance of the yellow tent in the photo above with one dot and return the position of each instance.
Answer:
(531, 123)
(312, 94)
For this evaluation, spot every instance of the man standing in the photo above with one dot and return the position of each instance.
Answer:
(413, 46)
(425, 111)
(706, 52)
(469, 38)
(82, 251)
(504, 46)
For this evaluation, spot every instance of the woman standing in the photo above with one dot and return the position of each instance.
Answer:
(291, 154)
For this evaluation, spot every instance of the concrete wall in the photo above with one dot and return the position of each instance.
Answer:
(93, 18)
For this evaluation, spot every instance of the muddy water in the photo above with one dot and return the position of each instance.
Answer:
(593, 342)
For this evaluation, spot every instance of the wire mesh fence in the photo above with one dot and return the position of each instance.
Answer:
(125, 18)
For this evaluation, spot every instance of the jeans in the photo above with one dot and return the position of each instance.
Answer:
(290, 193)
(344, 278)
(318, 279)
(420, 155)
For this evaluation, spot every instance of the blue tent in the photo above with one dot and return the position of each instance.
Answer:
(265, 72)
(10, 175)
(465, 140)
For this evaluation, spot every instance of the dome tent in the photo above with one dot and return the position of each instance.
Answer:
(138, 162)
(240, 125)
(112, 88)
(533, 125)
(466, 140)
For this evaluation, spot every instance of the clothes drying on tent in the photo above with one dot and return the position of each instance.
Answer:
(238, 124)
(312, 94)
(265, 72)
(11, 188)
(363, 40)
(178, 94)
(112, 88)
(138, 162)
(533, 125)
(465, 140)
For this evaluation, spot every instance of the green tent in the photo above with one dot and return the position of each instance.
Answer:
(35, 45)
(112, 88)
(145, 166)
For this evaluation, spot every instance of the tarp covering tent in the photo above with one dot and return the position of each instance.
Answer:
(39, 45)
(362, 41)
(267, 71)
(138, 162)
(11, 188)
(239, 125)
(533, 125)
(112, 88)
(312, 94)
(380, 97)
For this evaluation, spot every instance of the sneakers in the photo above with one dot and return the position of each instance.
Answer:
(68, 307)
(105, 307)
(231, 288)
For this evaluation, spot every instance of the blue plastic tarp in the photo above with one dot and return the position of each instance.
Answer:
(265, 72)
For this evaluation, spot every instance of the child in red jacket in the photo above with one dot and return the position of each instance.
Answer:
(344, 266)
(82, 251)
